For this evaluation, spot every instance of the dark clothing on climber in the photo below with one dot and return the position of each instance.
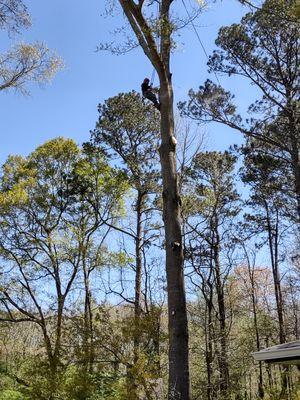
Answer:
(145, 87)
(148, 94)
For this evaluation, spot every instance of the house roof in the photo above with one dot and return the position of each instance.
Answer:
(286, 353)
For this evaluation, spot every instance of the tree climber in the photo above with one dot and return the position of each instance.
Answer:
(148, 93)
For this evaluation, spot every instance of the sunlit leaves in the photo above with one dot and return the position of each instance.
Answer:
(25, 63)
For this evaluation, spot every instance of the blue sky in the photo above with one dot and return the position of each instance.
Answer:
(68, 106)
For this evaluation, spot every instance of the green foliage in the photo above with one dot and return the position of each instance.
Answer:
(210, 187)
(53, 205)
(297, 9)
(59, 173)
(12, 395)
(77, 385)
(263, 48)
(73, 383)
(130, 129)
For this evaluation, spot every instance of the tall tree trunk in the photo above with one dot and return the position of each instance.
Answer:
(223, 361)
(251, 272)
(257, 337)
(178, 331)
(294, 135)
(88, 321)
(273, 248)
(296, 169)
(54, 351)
(260, 380)
(138, 270)
(209, 345)
(179, 388)
(132, 385)
(52, 361)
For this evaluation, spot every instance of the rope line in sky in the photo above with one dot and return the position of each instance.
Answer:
(198, 37)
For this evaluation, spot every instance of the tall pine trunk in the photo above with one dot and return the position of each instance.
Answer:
(273, 248)
(223, 356)
(296, 170)
(273, 238)
(133, 386)
(209, 345)
(294, 137)
(256, 328)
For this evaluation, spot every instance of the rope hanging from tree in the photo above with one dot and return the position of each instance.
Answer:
(152, 77)
(157, 41)
(197, 35)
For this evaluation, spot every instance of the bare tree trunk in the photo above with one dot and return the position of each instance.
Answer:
(273, 247)
(179, 388)
(223, 361)
(209, 346)
(260, 380)
(53, 351)
(52, 360)
(296, 168)
(132, 385)
(251, 272)
(138, 269)
(178, 332)
(88, 323)
(295, 151)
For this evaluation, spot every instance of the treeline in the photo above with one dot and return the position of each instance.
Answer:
(82, 283)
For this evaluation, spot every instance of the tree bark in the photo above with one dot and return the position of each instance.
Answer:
(132, 385)
(88, 321)
(138, 256)
(223, 362)
(178, 331)
(296, 170)
(209, 346)
(179, 388)
(294, 136)
(273, 247)
(257, 336)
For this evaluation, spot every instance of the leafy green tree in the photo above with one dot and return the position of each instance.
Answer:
(250, 276)
(131, 135)
(210, 208)
(11, 395)
(53, 204)
(270, 206)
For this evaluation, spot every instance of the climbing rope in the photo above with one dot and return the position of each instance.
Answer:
(198, 36)
(157, 44)
(152, 77)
